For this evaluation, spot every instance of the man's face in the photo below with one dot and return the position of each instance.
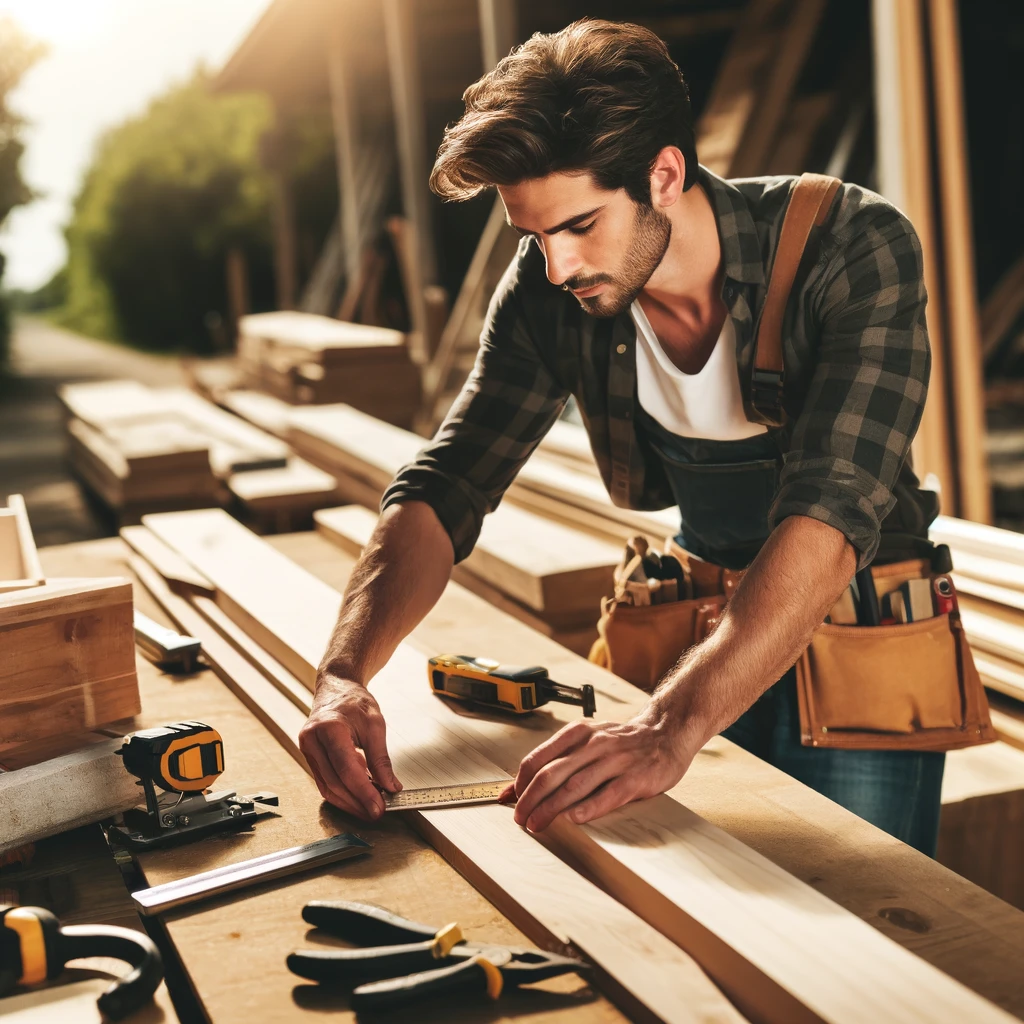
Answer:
(600, 245)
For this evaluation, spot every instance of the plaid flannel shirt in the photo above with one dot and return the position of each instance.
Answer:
(856, 354)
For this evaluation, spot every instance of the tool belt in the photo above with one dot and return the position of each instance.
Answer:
(909, 686)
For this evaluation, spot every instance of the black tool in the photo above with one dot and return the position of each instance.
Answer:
(404, 961)
(868, 612)
(34, 948)
(183, 759)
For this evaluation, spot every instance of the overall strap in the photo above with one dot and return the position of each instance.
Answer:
(809, 204)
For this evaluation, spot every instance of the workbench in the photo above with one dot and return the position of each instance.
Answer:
(232, 950)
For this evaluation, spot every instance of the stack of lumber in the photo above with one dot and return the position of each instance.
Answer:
(303, 358)
(989, 575)
(779, 949)
(150, 449)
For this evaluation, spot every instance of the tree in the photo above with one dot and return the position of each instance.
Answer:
(167, 195)
(17, 54)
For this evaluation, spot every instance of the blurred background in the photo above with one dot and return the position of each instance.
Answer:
(169, 169)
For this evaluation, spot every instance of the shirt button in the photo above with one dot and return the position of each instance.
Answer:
(621, 349)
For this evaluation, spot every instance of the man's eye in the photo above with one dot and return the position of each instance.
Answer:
(581, 229)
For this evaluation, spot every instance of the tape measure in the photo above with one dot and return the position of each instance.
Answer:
(445, 796)
(505, 687)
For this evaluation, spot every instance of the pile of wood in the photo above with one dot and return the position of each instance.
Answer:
(665, 872)
(303, 358)
(142, 449)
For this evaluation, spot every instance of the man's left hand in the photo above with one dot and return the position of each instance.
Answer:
(588, 769)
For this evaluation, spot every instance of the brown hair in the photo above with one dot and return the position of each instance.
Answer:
(599, 96)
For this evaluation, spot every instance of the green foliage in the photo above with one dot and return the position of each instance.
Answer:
(167, 195)
(17, 54)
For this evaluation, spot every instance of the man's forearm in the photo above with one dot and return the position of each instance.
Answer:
(399, 577)
(784, 596)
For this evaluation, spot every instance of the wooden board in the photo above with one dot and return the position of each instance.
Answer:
(65, 792)
(403, 874)
(653, 878)
(909, 897)
(180, 576)
(68, 659)
(19, 562)
(295, 485)
(547, 566)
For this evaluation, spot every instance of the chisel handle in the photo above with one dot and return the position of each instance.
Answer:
(477, 976)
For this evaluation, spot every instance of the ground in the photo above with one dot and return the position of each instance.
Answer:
(32, 446)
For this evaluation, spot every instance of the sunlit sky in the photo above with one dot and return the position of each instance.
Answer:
(106, 60)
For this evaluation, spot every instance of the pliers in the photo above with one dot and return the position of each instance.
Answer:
(401, 961)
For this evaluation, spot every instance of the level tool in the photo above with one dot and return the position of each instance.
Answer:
(488, 683)
(249, 872)
(446, 796)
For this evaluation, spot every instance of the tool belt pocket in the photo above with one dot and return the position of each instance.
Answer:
(910, 686)
(640, 644)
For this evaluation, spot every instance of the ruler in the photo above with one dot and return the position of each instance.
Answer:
(249, 872)
(446, 796)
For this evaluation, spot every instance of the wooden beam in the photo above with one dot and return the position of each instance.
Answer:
(904, 178)
(499, 30)
(556, 907)
(960, 292)
(77, 789)
(784, 951)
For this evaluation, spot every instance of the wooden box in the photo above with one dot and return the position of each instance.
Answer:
(19, 563)
(67, 658)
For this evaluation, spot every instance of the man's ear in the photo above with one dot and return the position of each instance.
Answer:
(667, 177)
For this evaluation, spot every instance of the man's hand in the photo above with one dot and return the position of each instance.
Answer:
(344, 743)
(588, 769)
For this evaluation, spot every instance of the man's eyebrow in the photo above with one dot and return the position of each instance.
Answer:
(570, 223)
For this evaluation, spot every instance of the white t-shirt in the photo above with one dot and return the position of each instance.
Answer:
(708, 404)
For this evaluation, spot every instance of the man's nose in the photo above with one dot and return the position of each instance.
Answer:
(561, 259)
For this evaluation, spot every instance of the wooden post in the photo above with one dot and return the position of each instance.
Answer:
(400, 30)
(499, 30)
(285, 270)
(958, 249)
(904, 178)
(236, 273)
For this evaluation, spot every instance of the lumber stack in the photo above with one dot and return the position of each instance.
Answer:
(779, 949)
(143, 449)
(303, 358)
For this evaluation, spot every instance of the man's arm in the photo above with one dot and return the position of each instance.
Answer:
(397, 580)
(589, 769)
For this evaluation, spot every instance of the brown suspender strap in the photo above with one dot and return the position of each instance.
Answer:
(808, 207)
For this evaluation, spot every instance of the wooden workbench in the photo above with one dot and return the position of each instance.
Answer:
(234, 950)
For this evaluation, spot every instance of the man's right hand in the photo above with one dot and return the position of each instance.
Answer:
(344, 743)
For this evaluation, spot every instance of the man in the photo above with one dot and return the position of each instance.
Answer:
(637, 289)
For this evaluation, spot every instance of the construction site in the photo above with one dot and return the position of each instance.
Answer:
(672, 745)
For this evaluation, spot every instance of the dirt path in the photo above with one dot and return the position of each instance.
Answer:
(32, 459)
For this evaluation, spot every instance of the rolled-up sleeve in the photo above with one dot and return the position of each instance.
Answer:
(867, 393)
(508, 403)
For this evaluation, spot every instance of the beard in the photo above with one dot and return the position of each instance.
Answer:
(651, 235)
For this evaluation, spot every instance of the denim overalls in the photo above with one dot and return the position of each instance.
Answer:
(724, 490)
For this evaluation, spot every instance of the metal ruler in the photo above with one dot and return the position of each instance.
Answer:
(249, 872)
(446, 796)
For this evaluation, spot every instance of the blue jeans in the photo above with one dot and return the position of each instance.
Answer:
(897, 790)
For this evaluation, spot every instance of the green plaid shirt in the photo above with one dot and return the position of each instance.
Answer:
(857, 363)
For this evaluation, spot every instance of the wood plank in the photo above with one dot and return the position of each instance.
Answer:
(19, 562)
(904, 177)
(682, 881)
(180, 576)
(960, 292)
(915, 901)
(77, 789)
(557, 908)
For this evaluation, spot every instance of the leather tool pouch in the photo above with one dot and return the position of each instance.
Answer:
(911, 686)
